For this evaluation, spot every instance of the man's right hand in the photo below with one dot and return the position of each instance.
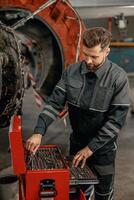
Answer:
(33, 143)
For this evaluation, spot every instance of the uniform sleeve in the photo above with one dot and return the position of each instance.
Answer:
(115, 117)
(53, 107)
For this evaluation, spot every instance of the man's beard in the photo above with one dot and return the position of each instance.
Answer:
(93, 68)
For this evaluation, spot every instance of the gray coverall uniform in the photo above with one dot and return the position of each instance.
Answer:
(98, 103)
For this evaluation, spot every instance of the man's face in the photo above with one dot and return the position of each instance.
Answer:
(95, 56)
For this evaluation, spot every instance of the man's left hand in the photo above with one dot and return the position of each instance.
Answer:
(82, 155)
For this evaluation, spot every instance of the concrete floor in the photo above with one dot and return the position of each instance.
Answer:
(58, 134)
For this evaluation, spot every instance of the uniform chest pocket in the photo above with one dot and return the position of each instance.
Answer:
(102, 98)
(73, 90)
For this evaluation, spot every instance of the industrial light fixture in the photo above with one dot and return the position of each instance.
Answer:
(121, 22)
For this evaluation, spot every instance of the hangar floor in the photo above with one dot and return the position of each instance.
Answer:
(58, 134)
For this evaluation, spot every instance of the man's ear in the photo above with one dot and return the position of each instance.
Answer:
(107, 51)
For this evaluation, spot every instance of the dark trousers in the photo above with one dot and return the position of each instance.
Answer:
(104, 167)
(104, 190)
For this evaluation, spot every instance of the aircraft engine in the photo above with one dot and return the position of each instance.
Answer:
(50, 34)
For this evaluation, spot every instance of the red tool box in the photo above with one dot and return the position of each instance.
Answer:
(45, 175)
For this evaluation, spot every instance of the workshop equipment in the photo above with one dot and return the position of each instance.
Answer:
(46, 175)
(44, 44)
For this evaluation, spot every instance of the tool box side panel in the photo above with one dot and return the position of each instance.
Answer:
(16, 145)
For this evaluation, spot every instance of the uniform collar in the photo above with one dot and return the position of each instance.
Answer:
(99, 72)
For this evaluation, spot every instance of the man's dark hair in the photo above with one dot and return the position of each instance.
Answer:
(95, 36)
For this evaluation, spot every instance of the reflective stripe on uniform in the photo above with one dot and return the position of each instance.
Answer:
(109, 124)
(110, 133)
(49, 114)
(61, 88)
(52, 109)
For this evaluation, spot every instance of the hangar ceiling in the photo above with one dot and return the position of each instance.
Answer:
(103, 8)
(85, 3)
